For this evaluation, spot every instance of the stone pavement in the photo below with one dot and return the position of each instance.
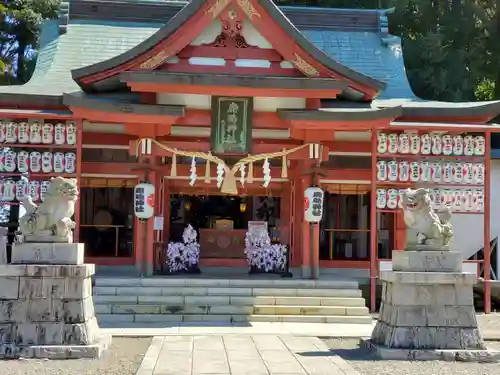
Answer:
(241, 355)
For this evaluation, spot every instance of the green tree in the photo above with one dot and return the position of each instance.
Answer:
(19, 29)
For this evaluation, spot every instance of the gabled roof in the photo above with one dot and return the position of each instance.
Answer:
(98, 30)
(196, 15)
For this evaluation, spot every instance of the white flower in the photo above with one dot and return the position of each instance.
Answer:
(263, 255)
(181, 256)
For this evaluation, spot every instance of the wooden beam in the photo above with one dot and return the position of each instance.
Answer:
(232, 91)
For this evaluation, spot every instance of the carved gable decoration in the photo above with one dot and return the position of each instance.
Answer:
(231, 125)
(270, 37)
(232, 25)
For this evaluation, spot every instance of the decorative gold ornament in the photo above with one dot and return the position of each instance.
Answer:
(156, 60)
(248, 8)
(304, 66)
(218, 7)
(229, 182)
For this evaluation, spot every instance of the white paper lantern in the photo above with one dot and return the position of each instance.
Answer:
(313, 204)
(60, 133)
(144, 200)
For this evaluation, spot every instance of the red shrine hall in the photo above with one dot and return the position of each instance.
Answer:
(201, 132)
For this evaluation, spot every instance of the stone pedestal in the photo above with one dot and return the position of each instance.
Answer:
(47, 311)
(48, 253)
(427, 309)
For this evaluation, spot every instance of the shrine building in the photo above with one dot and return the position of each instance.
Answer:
(226, 111)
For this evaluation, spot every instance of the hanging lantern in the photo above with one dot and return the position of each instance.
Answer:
(144, 200)
(313, 204)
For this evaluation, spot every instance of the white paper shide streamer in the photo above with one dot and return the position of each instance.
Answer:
(243, 171)
(220, 174)
(192, 176)
(266, 168)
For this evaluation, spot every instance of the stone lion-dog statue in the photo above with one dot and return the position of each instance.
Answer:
(434, 229)
(51, 220)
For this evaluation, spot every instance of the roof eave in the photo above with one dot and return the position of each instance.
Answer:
(201, 79)
(485, 111)
(340, 114)
(21, 100)
(82, 101)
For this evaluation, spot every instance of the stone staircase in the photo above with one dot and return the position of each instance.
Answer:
(175, 300)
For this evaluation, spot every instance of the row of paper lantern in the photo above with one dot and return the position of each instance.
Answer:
(430, 171)
(17, 190)
(459, 200)
(37, 162)
(38, 133)
(430, 144)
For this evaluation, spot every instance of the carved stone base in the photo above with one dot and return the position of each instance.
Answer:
(454, 355)
(48, 238)
(47, 311)
(48, 253)
(430, 309)
(427, 261)
(427, 247)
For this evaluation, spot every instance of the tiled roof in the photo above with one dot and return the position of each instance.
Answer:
(366, 53)
(89, 41)
(84, 43)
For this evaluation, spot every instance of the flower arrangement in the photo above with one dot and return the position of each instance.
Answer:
(262, 256)
(184, 256)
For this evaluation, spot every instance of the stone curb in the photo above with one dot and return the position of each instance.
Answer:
(150, 359)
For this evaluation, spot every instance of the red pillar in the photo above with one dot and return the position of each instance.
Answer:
(486, 226)
(373, 226)
(307, 250)
(139, 233)
(148, 250)
(286, 214)
(298, 207)
(79, 142)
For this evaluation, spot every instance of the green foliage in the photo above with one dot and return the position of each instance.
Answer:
(20, 22)
(450, 47)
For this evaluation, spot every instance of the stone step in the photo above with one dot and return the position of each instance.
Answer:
(230, 300)
(118, 319)
(230, 310)
(224, 291)
(310, 310)
(223, 283)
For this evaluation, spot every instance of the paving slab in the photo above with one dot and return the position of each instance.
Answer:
(241, 355)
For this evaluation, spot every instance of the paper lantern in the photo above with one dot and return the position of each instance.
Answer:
(144, 200)
(313, 204)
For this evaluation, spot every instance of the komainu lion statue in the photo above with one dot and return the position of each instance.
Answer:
(434, 229)
(51, 220)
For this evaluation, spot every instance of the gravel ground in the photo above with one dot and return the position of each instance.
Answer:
(123, 358)
(365, 364)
